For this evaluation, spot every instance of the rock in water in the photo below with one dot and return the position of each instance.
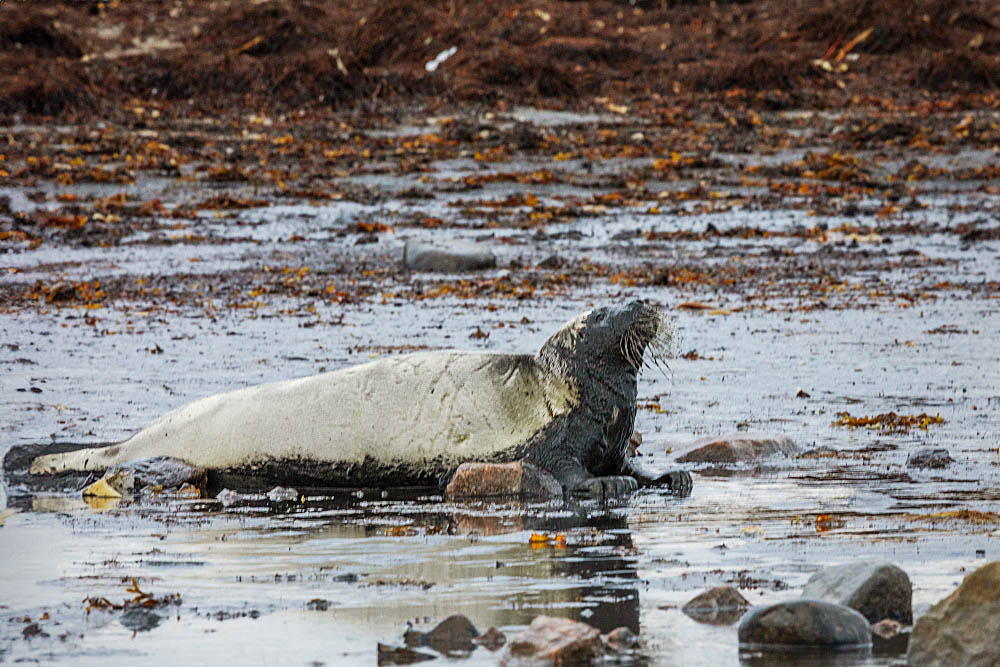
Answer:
(722, 605)
(877, 590)
(453, 636)
(455, 258)
(491, 640)
(929, 457)
(502, 479)
(805, 624)
(554, 641)
(739, 448)
(621, 640)
(962, 629)
(280, 494)
(139, 619)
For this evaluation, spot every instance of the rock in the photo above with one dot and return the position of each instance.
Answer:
(33, 630)
(491, 640)
(552, 262)
(280, 494)
(820, 453)
(961, 630)
(502, 479)
(101, 489)
(390, 655)
(739, 447)
(318, 604)
(115, 484)
(805, 623)
(554, 641)
(620, 640)
(457, 257)
(878, 590)
(722, 605)
(140, 619)
(453, 636)
(228, 497)
(187, 490)
(929, 457)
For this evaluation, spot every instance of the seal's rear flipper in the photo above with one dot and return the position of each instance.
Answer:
(158, 470)
(164, 471)
(17, 463)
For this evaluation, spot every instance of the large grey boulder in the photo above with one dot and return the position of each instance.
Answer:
(738, 448)
(876, 589)
(962, 630)
(453, 258)
(805, 624)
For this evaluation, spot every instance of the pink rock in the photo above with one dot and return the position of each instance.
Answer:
(502, 479)
(738, 447)
(554, 641)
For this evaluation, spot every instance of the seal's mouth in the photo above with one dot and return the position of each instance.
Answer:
(650, 341)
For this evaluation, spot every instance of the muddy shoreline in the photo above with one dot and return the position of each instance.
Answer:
(830, 255)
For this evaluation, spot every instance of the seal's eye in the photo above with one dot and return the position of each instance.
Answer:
(600, 315)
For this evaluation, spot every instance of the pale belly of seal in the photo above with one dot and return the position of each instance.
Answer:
(423, 411)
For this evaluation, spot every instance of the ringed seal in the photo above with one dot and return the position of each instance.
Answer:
(412, 420)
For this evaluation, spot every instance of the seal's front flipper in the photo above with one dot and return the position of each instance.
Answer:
(677, 481)
(600, 488)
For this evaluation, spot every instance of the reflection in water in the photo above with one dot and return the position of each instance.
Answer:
(803, 658)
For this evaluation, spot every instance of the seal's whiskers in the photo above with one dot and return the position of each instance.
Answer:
(650, 341)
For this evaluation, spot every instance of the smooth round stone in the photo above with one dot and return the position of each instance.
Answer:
(805, 623)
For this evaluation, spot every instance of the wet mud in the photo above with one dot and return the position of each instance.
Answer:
(830, 255)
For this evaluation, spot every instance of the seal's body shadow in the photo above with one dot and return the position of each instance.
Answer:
(411, 420)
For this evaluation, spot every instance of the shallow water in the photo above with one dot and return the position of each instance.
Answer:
(246, 575)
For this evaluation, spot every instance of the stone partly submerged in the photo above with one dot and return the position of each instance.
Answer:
(453, 637)
(929, 457)
(554, 641)
(476, 480)
(962, 630)
(455, 258)
(722, 605)
(739, 448)
(804, 624)
(876, 589)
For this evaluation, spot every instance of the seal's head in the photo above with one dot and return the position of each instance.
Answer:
(613, 338)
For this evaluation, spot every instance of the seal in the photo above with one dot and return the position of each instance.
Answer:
(411, 420)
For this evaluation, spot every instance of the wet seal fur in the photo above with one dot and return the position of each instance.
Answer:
(412, 420)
